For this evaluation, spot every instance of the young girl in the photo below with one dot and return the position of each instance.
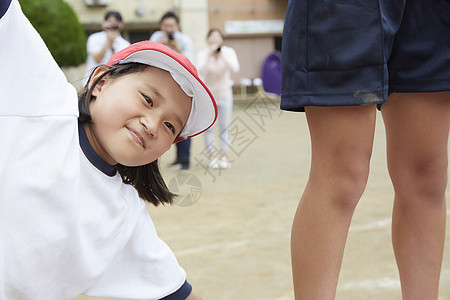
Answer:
(337, 67)
(215, 65)
(71, 220)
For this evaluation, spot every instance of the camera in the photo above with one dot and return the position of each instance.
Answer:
(170, 36)
(218, 49)
(112, 27)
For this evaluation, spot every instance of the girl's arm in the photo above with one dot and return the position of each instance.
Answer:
(29, 74)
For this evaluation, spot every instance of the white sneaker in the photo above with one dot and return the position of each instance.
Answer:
(223, 163)
(213, 163)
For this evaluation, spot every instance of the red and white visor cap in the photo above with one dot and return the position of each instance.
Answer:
(203, 109)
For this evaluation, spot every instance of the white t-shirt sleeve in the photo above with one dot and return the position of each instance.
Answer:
(156, 36)
(202, 62)
(120, 43)
(231, 59)
(31, 82)
(187, 46)
(144, 269)
(95, 43)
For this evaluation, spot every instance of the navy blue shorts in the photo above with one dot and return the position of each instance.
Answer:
(355, 52)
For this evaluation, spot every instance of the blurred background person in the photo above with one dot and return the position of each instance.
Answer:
(171, 36)
(215, 65)
(104, 44)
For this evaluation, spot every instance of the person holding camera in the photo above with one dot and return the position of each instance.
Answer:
(101, 46)
(171, 36)
(215, 65)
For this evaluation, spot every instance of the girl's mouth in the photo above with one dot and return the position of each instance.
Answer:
(137, 137)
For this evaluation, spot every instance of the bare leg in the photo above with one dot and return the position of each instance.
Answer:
(341, 140)
(417, 128)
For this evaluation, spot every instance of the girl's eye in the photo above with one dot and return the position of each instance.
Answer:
(170, 126)
(148, 100)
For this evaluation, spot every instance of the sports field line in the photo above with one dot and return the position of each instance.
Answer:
(227, 246)
(377, 224)
(372, 284)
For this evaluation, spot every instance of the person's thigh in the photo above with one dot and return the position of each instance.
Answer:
(417, 130)
(341, 139)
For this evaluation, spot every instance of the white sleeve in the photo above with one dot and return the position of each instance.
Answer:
(144, 269)
(202, 61)
(94, 43)
(187, 47)
(156, 36)
(31, 83)
(231, 59)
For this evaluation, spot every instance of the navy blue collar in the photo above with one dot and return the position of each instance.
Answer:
(92, 156)
(4, 5)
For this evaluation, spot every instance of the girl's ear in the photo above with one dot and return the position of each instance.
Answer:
(98, 72)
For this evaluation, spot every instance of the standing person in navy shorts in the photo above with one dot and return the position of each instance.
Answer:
(341, 61)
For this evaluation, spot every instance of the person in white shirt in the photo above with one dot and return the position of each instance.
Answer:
(75, 170)
(215, 66)
(101, 46)
(171, 36)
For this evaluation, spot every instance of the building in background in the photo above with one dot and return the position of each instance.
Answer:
(252, 27)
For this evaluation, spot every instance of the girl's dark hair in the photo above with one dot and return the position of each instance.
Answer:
(147, 179)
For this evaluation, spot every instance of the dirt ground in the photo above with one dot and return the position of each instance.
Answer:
(230, 229)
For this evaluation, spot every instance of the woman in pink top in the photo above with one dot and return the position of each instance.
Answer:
(215, 65)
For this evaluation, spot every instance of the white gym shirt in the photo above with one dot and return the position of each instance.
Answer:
(66, 227)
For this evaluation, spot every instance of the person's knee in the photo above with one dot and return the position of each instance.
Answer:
(345, 183)
(352, 181)
(422, 179)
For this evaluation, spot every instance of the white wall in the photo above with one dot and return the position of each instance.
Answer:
(194, 22)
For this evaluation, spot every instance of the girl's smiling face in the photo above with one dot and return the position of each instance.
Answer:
(136, 117)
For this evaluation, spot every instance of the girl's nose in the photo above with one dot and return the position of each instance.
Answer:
(151, 124)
